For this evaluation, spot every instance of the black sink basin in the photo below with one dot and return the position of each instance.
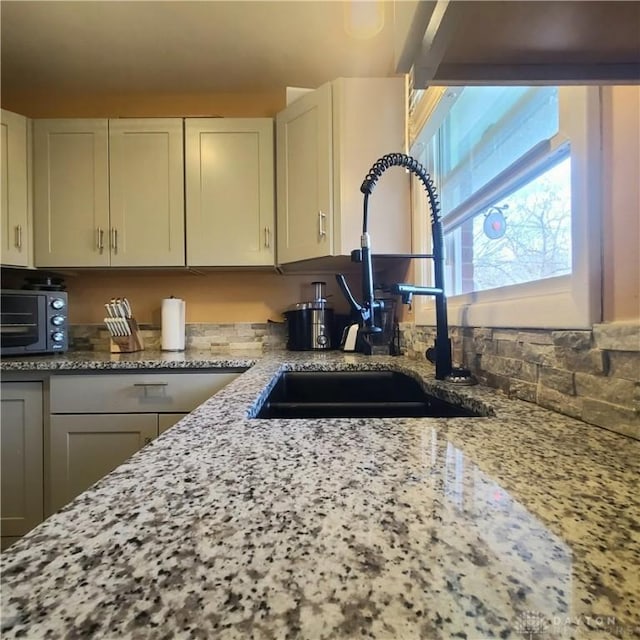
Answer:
(354, 394)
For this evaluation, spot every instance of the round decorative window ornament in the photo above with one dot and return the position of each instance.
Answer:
(495, 224)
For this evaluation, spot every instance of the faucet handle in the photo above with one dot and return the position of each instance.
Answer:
(346, 292)
(407, 291)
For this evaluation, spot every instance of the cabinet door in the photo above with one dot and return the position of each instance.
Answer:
(86, 447)
(230, 191)
(21, 432)
(15, 238)
(146, 161)
(304, 177)
(71, 193)
(168, 420)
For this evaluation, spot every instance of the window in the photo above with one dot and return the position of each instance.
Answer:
(517, 173)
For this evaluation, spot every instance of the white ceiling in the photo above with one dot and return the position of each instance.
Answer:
(247, 45)
(191, 46)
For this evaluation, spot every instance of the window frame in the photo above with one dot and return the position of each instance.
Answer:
(572, 301)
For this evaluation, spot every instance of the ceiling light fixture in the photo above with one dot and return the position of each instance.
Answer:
(363, 19)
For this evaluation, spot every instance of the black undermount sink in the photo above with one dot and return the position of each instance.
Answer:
(354, 394)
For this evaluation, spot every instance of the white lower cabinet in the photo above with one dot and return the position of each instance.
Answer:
(55, 445)
(21, 440)
(86, 447)
(100, 420)
(167, 420)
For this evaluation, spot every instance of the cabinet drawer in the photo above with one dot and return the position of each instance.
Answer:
(135, 392)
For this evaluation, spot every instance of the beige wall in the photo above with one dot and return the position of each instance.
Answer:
(219, 297)
(47, 104)
(621, 203)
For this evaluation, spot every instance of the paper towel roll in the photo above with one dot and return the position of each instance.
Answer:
(173, 316)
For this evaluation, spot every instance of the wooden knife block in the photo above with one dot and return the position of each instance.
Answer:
(128, 344)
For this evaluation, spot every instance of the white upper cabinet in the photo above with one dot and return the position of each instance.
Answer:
(16, 231)
(326, 142)
(71, 193)
(108, 193)
(304, 177)
(230, 192)
(146, 160)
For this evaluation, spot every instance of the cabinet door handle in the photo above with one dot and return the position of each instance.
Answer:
(148, 440)
(149, 388)
(267, 237)
(18, 241)
(114, 240)
(100, 239)
(321, 230)
(150, 384)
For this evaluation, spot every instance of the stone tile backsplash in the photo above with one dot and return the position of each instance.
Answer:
(591, 375)
(219, 337)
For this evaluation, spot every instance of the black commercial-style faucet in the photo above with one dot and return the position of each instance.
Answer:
(441, 353)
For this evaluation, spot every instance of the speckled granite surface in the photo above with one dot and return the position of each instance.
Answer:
(148, 359)
(524, 524)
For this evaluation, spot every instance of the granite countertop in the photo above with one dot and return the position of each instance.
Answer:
(524, 524)
(148, 359)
